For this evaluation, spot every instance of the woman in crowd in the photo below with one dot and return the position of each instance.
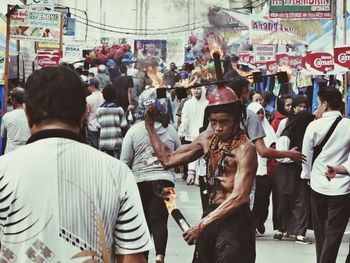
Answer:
(151, 178)
(255, 96)
(284, 107)
(300, 103)
(262, 180)
(292, 192)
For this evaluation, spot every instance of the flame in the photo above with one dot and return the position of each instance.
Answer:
(157, 81)
(215, 45)
(169, 196)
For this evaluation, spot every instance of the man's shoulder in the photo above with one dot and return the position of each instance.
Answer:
(246, 147)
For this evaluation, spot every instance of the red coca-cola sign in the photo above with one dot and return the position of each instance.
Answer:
(47, 61)
(320, 61)
(342, 56)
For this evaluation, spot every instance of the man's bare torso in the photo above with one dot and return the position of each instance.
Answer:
(227, 177)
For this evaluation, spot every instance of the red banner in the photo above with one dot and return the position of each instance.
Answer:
(342, 57)
(47, 59)
(319, 62)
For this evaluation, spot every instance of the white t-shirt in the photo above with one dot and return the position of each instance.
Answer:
(94, 101)
(335, 152)
(137, 152)
(60, 197)
(14, 127)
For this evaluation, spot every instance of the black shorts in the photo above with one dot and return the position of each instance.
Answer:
(228, 240)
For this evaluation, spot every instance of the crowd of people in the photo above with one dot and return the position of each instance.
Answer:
(60, 196)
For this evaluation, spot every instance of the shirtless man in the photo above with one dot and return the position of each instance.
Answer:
(226, 233)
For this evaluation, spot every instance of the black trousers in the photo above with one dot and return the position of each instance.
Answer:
(262, 199)
(227, 240)
(293, 204)
(155, 212)
(330, 215)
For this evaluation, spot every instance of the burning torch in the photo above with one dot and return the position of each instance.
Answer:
(169, 195)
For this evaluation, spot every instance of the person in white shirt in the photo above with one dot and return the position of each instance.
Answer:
(330, 199)
(260, 196)
(14, 126)
(94, 101)
(62, 200)
(191, 121)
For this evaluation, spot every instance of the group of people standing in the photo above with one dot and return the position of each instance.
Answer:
(229, 143)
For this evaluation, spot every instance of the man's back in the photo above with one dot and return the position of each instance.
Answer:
(335, 152)
(15, 129)
(69, 197)
(94, 101)
(122, 84)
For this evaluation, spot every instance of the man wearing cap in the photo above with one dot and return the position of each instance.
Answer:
(226, 233)
(94, 101)
(102, 77)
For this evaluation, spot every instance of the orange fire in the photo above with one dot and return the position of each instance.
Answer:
(215, 45)
(169, 196)
(157, 81)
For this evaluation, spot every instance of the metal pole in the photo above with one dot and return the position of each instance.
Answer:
(7, 56)
(346, 94)
(334, 18)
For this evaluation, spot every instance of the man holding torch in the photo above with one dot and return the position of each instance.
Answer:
(226, 233)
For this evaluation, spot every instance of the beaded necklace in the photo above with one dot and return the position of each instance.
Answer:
(216, 157)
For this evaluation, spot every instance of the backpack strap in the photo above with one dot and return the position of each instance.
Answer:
(318, 148)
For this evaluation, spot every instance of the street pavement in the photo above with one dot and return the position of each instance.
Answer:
(267, 249)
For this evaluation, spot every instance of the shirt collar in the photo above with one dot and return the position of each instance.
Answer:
(51, 133)
(331, 114)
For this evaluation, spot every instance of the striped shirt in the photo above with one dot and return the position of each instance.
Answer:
(60, 197)
(110, 121)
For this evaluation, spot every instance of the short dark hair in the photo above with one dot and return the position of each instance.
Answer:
(17, 94)
(94, 82)
(234, 58)
(238, 87)
(55, 93)
(123, 68)
(332, 96)
(109, 93)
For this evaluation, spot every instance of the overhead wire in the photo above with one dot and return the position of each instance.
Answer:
(133, 33)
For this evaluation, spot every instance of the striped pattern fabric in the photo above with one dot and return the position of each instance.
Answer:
(67, 196)
(110, 121)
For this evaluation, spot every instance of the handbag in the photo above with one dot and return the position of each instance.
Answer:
(318, 148)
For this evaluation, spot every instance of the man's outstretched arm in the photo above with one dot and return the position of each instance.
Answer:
(183, 155)
(266, 152)
(247, 165)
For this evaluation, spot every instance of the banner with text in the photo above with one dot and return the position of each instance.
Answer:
(271, 32)
(319, 62)
(342, 59)
(264, 53)
(176, 53)
(300, 9)
(36, 25)
(72, 52)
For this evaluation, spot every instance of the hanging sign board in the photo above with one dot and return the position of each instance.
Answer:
(264, 53)
(36, 25)
(301, 9)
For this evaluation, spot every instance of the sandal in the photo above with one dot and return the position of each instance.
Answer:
(190, 179)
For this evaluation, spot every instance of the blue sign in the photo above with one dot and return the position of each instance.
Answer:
(68, 26)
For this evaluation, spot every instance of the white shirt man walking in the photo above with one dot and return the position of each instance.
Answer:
(330, 199)
(14, 127)
(94, 101)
